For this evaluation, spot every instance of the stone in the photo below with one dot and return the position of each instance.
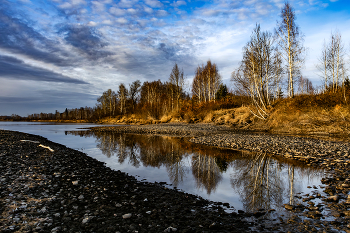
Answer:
(126, 216)
(288, 207)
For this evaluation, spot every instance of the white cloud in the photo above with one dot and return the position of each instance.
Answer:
(122, 20)
(179, 3)
(72, 3)
(154, 3)
(127, 3)
(98, 6)
(148, 10)
(107, 22)
(116, 11)
(92, 24)
(132, 11)
(162, 13)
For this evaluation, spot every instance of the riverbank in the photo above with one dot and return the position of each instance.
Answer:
(47, 187)
(332, 155)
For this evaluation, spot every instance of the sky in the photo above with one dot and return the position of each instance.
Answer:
(59, 54)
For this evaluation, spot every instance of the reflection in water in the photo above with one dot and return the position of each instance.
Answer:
(206, 172)
(266, 183)
(261, 181)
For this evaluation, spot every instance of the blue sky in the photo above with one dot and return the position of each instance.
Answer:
(65, 53)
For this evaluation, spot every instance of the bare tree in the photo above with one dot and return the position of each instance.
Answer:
(206, 82)
(322, 66)
(305, 86)
(290, 41)
(107, 102)
(256, 72)
(176, 80)
(335, 59)
(332, 63)
(122, 95)
(278, 74)
(133, 92)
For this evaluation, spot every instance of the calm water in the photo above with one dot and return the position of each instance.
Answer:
(247, 181)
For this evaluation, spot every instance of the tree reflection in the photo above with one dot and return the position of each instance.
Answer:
(259, 181)
(206, 172)
(263, 182)
(157, 151)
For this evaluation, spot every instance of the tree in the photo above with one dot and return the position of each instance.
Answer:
(290, 41)
(206, 82)
(256, 72)
(107, 102)
(122, 95)
(133, 92)
(176, 80)
(305, 86)
(332, 63)
(154, 98)
(222, 92)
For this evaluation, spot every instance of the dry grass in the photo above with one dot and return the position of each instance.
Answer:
(305, 114)
(289, 118)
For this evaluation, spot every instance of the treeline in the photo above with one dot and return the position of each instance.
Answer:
(156, 99)
(270, 69)
(151, 100)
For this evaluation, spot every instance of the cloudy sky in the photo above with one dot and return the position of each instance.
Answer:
(58, 54)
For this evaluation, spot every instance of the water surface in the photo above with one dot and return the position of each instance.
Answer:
(246, 181)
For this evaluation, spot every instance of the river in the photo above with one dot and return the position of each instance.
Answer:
(246, 181)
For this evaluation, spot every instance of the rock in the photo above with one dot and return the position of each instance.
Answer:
(126, 216)
(75, 182)
(334, 198)
(288, 207)
(170, 229)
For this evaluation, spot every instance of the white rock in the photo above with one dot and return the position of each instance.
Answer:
(85, 220)
(81, 197)
(75, 182)
(55, 229)
(148, 212)
(125, 216)
(170, 229)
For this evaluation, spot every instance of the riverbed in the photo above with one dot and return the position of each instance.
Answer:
(215, 174)
(279, 178)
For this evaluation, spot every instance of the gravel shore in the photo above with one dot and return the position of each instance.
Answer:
(47, 187)
(333, 156)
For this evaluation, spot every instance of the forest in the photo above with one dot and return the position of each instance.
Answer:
(267, 83)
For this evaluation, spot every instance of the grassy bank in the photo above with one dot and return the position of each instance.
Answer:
(327, 113)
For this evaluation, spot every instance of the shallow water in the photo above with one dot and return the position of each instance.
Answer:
(246, 181)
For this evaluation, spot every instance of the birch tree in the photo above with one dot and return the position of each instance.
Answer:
(290, 41)
(107, 102)
(256, 72)
(122, 95)
(176, 80)
(134, 91)
(332, 63)
(206, 82)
